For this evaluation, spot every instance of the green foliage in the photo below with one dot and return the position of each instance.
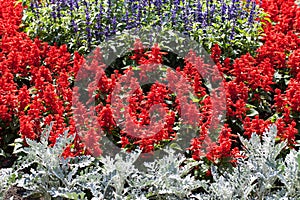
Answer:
(8, 141)
(235, 35)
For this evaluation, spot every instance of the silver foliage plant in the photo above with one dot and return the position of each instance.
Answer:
(262, 174)
(257, 175)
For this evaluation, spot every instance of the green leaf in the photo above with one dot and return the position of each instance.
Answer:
(176, 146)
(2, 153)
(252, 112)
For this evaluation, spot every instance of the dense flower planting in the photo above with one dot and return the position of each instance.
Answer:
(262, 88)
(84, 24)
(35, 85)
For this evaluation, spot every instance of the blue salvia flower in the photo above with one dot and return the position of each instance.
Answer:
(53, 13)
(182, 12)
(125, 17)
(85, 3)
(106, 32)
(232, 32)
(248, 4)
(63, 3)
(58, 9)
(193, 12)
(176, 4)
(134, 12)
(198, 12)
(204, 21)
(32, 6)
(100, 11)
(181, 8)
(98, 26)
(71, 6)
(166, 15)
(99, 21)
(35, 7)
(74, 25)
(212, 12)
(108, 18)
(76, 4)
(207, 5)
(166, 18)
(114, 25)
(127, 20)
(174, 10)
(87, 14)
(140, 8)
(139, 12)
(87, 17)
(223, 11)
(173, 17)
(89, 34)
(231, 11)
(143, 6)
(158, 5)
(109, 6)
(207, 12)
(252, 12)
(186, 17)
(241, 11)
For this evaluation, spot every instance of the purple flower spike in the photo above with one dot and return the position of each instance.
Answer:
(252, 12)
(74, 25)
(223, 11)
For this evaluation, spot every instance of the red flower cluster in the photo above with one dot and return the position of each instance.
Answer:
(113, 112)
(35, 81)
(253, 81)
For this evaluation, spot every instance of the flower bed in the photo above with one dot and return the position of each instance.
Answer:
(261, 79)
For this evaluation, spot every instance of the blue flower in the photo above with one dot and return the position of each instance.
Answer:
(198, 13)
(74, 25)
(85, 3)
(212, 11)
(71, 6)
(89, 34)
(248, 4)
(114, 25)
(174, 10)
(223, 11)
(58, 9)
(232, 34)
(204, 21)
(232, 11)
(252, 12)
(76, 4)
